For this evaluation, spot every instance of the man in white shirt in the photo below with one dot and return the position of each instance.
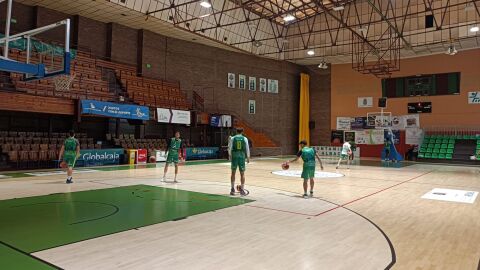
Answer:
(345, 155)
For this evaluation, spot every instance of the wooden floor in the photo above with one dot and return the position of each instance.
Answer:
(371, 218)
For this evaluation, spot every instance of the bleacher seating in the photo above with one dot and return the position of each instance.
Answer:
(87, 83)
(36, 147)
(128, 141)
(442, 146)
(152, 92)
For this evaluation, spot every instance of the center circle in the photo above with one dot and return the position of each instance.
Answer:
(318, 174)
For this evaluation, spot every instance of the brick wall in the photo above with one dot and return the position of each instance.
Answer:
(23, 14)
(320, 108)
(45, 16)
(123, 44)
(92, 35)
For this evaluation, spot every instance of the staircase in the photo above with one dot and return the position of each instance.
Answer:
(464, 149)
(258, 139)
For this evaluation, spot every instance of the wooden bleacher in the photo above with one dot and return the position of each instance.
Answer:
(89, 83)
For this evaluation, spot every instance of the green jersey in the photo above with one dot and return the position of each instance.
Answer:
(175, 144)
(70, 144)
(238, 143)
(308, 156)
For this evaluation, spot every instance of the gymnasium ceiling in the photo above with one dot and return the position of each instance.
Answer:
(328, 27)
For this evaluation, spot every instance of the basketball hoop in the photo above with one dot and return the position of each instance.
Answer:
(63, 82)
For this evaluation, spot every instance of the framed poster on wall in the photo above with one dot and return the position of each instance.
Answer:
(251, 107)
(263, 85)
(242, 81)
(252, 83)
(231, 80)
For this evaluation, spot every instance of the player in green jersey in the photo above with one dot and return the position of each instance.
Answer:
(69, 153)
(238, 153)
(308, 156)
(175, 154)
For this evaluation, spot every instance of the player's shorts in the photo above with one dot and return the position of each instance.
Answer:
(344, 156)
(70, 158)
(308, 172)
(238, 161)
(172, 157)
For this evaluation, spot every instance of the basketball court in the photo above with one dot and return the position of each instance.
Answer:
(96, 97)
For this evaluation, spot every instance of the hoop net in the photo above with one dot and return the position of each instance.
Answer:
(63, 82)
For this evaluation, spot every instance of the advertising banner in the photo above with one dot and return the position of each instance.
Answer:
(141, 156)
(412, 121)
(398, 122)
(180, 117)
(358, 123)
(116, 110)
(372, 136)
(100, 157)
(349, 136)
(215, 121)
(160, 156)
(226, 120)
(473, 97)
(413, 136)
(203, 118)
(337, 136)
(202, 153)
(173, 116)
(344, 123)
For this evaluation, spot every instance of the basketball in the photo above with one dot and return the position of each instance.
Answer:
(285, 166)
(239, 187)
(63, 165)
(152, 159)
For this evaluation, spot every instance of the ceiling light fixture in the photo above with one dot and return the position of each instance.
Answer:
(311, 52)
(205, 4)
(206, 15)
(451, 50)
(289, 18)
(323, 65)
(474, 29)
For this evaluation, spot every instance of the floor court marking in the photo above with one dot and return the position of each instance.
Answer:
(371, 194)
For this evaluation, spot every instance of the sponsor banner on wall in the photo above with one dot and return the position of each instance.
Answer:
(474, 97)
(365, 102)
(358, 123)
(203, 118)
(215, 121)
(141, 157)
(110, 109)
(349, 136)
(226, 120)
(413, 136)
(173, 116)
(372, 136)
(344, 123)
(412, 120)
(201, 153)
(337, 136)
(163, 115)
(181, 117)
(398, 122)
(100, 157)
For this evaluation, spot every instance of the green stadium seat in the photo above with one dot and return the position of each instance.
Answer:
(445, 140)
(459, 137)
(448, 156)
(443, 151)
(435, 155)
(451, 146)
(436, 150)
(441, 156)
(437, 146)
(428, 155)
(444, 146)
(449, 151)
(431, 145)
(421, 155)
(438, 141)
(429, 150)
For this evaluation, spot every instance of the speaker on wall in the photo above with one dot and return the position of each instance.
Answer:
(382, 102)
(311, 125)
